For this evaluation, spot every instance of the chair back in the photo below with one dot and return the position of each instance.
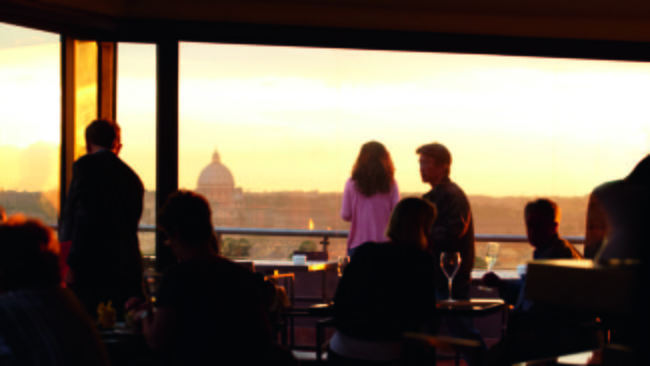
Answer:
(248, 265)
(420, 349)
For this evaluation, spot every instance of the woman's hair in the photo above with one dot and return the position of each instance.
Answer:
(188, 215)
(29, 255)
(410, 222)
(641, 173)
(373, 172)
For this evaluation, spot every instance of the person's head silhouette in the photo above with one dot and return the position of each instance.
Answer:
(410, 222)
(28, 255)
(435, 163)
(103, 134)
(542, 221)
(186, 219)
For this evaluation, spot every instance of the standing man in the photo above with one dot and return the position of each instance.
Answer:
(453, 231)
(101, 217)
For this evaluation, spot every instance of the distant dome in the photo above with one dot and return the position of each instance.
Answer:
(216, 175)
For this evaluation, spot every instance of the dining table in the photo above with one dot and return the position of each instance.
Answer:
(274, 266)
(125, 346)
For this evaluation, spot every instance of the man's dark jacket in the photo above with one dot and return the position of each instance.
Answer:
(101, 216)
(452, 231)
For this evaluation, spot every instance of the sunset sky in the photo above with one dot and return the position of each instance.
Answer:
(287, 118)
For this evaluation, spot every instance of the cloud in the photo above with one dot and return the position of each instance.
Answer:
(34, 168)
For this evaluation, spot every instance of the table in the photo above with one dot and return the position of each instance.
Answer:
(472, 307)
(125, 347)
(504, 274)
(286, 266)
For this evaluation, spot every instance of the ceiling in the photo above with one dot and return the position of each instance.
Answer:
(616, 20)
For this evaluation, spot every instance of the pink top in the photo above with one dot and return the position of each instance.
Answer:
(368, 215)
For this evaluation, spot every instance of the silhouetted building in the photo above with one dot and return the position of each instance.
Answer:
(217, 184)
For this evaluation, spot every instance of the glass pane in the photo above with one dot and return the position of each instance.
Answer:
(30, 127)
(270, 134)
(85, 92)
(136, 114)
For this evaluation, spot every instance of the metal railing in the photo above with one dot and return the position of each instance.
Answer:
(328, 234)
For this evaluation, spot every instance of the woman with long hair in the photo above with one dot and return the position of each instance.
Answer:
(369, 196)
(388, 289)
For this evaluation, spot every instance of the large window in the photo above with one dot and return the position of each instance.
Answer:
(136, 114)
(269, 134)
(30, 115)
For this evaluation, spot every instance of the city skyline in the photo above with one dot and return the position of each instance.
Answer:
(287, 119)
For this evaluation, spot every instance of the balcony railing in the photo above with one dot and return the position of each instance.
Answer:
(328, 234)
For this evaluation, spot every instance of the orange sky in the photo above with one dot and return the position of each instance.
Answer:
(294, 118)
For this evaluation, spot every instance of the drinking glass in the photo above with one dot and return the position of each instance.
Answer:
(450, 263)
(343, 262)
(491, 255)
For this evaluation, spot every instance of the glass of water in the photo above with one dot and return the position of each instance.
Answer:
(491, 255)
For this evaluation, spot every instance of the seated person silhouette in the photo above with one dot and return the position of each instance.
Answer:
(387, 289)
(40, 322)
(542, 219)
(618, 216)
(617, 235)
(537, 330)
(209, 310)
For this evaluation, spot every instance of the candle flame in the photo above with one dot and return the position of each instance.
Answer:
(311, 224)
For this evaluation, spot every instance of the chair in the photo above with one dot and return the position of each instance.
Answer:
(250, 265)
(322, 311)
(313, 256)
(286, 301)
(279, 302)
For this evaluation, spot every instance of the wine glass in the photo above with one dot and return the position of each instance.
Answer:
(152, 280)
(343, 262)
(491, 254)
(450, 263)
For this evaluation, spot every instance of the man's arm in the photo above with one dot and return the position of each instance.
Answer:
(159, 330)
(79, 188)
(66, 225)
(508, 290)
